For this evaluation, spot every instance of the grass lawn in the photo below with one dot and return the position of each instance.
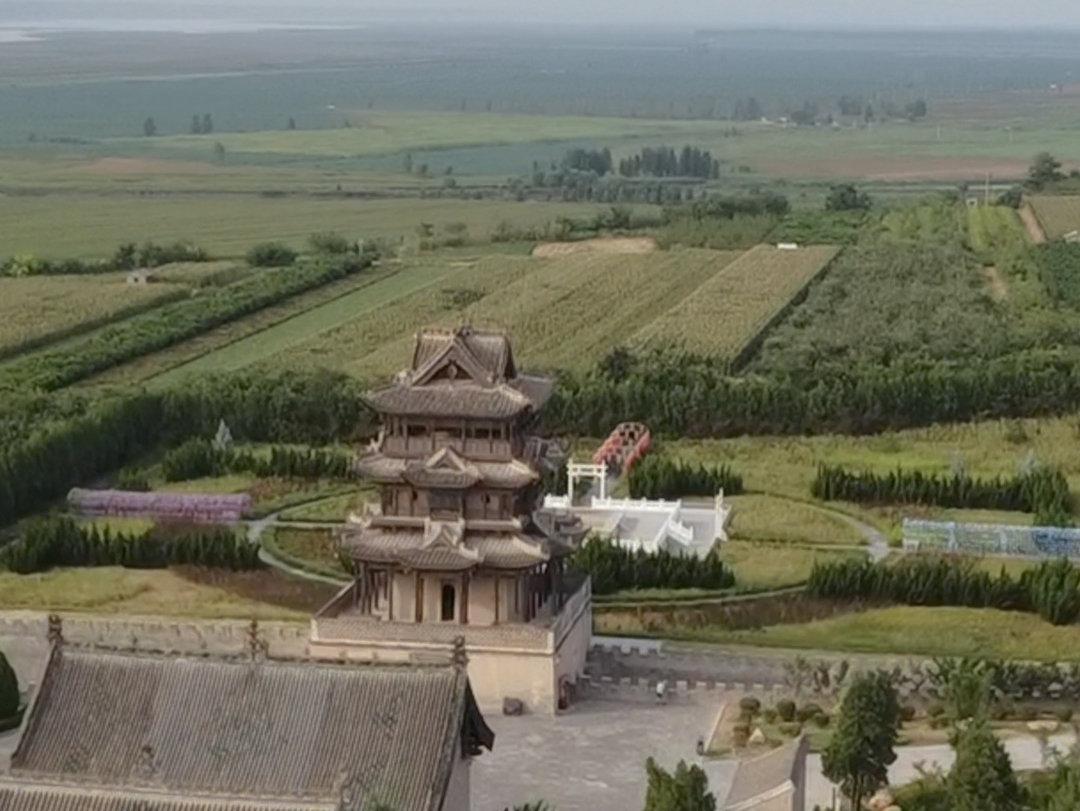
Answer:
(314, 546)
(977, 632)
(334, 508)
(769, 518)
(763, 566)
(175, 592)
(787, 465)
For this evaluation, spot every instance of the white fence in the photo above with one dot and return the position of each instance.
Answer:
(991, 539)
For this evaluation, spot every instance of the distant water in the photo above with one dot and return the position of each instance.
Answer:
(30, 30)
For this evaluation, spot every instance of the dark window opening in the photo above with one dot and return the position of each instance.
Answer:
(417, 430)
(449, 597)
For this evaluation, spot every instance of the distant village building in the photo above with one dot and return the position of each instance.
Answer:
(460, 546)
(111, 730)
(140, 276)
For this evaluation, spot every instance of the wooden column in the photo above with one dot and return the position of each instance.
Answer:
(419, 597)
(464, 614)
(390, 593)
(361, 593)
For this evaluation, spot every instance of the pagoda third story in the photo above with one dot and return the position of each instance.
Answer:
(460, 544)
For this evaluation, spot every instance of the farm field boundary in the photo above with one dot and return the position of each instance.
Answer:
(294, 329)
(1056, 215)
(729, 314)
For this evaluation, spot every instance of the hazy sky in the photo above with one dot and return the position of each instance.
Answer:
(829, 14)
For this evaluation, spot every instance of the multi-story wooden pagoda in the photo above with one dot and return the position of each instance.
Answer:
(459, 545)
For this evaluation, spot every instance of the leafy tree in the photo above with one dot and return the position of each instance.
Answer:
(196, 125)
(916, 109)
(845, 197)
(982, 778)
(1045, 170)
(9, 689)
(859, 754)
(149, 128)
(685, 790)
(292, 124)
(407, 163)
(271, 255)
(207, 124)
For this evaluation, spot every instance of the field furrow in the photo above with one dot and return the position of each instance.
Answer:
(1058, 216)
(724, 315)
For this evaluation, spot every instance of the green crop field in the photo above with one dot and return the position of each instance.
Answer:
(34, 308)
(90, 226)
(293, 331)
(726, 314)
(1058, 216)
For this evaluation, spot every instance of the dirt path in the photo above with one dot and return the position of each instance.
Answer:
(995, 285)
(1031, 222)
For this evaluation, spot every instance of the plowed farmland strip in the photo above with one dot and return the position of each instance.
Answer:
(1058, 216)
(726, 314)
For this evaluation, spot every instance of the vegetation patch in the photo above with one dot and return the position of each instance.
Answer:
(757, 517)
(661, 477)
(313, 549)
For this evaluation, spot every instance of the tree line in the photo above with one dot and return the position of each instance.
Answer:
(50, 444)
(664, 162)
(1041, 490)
(658, 476)
(198, 457)
(1051, 589)
(613, 568)
(61, 542)
(126, 257)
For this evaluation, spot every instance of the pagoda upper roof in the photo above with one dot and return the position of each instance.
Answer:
(462, 373)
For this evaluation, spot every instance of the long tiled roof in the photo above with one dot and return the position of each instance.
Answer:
(511, 474)
(264, 733)
(412, 549)
(450, 400)
(760, 779)
(20, 796)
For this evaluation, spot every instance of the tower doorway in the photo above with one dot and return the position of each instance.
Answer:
(449, 601)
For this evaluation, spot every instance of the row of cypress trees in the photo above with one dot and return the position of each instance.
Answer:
(1051, 589)
(61, 542)
(613, 568)
(658, 476)
(1040, 490)
(40, 460)
(199, 457)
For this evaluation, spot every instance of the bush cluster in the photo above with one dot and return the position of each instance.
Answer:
(198, 457)
(613, 568)
(126, 257)
(1051, 589)
(658, 476)
(56, 542)
(1041, 491)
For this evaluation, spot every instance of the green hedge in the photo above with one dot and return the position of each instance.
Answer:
(1041, 491)
(197, 458)
(658, 476)
(615, 569)
(56, 542)
(150, 332)
(1051, 589)
(127, 257)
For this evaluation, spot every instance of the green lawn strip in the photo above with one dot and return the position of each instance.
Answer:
(311, 550)
(908, 630)
(299, 328)
(332, 510)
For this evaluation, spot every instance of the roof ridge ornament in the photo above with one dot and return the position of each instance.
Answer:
(56, 630)
(459, 658)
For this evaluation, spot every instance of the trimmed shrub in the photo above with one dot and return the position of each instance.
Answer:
(741, 734)
(613, 568)
(769, 715)
(805, 713)
(907, 713)
(750, 705)
(660, 477)
(936, 710)
(271, 255)
(791, 730)
(1063, 714)
(1025, 712)
(786, 709)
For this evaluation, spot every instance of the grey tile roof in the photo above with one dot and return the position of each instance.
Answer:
(494, 550)
(450, 400)
(222, 729)
(511, 474)
(39, 797)
(761, 776)
(491, 350)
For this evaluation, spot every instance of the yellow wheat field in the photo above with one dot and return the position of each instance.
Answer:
(724, 315)
(568, 311)
(1058, 216)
